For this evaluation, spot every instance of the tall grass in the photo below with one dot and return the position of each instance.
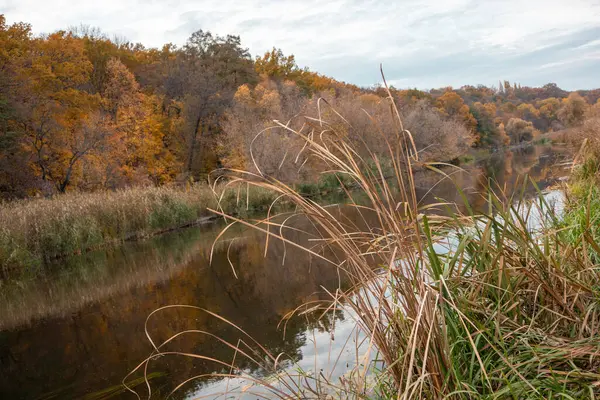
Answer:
(455, 305)
(35, 231)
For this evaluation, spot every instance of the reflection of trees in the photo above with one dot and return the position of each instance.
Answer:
(504, 171)
(95, 346)
(63, 288)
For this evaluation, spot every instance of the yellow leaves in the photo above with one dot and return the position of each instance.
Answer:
(508, 108)
(412, 96)
(504, 138)
(59, 62)
(369, 99)
(490, 109)
(527, 111)
(520, 130)
(452, 105)
(275, 64)
(243, 94)
(235, 157)
(264, 97)
(143, 130)
(121, 88)
(267, 99)
(14, 42)
(548, 108)
(573, 110)
(317, 82)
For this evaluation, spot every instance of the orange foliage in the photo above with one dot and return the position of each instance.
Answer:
(78, 110)
(452, 105)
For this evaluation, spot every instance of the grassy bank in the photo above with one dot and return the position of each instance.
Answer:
(453, 305)
(37, 230)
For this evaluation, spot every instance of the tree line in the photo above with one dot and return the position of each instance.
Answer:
(79, 111)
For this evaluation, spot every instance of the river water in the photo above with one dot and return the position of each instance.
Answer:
(76, 329)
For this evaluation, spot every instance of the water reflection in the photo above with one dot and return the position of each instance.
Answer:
(93, 335)
(79, 328)
(504, 171)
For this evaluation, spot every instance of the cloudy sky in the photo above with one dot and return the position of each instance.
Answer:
(421, 43)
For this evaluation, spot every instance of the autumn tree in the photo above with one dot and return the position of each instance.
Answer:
(548, 109)
(520, 130)
(274, 64)
(594, 111)
(438, 138)
(452, 105)
(203, 78)
(411, 97)
(87, 134)
(99, 50)
(121, 89)
(55, 114)
(508, 90)
(572, 111)
(528, 112)
(253, 141)
(552, 90)
(141, 151)
(15, 42)
(367, 120)
(78, 109)
(16, 176)
(503, 137)
(487, 126)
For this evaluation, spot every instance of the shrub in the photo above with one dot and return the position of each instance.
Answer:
(520, 130)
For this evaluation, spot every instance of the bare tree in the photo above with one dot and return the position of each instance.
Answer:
(437, 138)
(253, 141)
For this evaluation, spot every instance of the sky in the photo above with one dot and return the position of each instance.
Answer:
(422, 44)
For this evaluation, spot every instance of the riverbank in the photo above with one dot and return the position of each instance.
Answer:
(500, 303)
(35, 231)
(101, 294)
(39, 230)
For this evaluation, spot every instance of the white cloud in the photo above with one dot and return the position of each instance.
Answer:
(587, 57)
(348, 38)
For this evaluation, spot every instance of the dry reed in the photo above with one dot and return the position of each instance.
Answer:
(35, 231)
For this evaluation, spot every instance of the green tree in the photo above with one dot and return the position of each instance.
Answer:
(489, 131)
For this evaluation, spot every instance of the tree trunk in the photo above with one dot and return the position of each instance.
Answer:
(62, 186)
(191, 151)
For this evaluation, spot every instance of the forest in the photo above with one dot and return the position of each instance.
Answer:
(82, 112)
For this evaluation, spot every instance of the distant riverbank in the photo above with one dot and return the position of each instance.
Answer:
(38, 230)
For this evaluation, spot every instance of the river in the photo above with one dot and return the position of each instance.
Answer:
(76, 328)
